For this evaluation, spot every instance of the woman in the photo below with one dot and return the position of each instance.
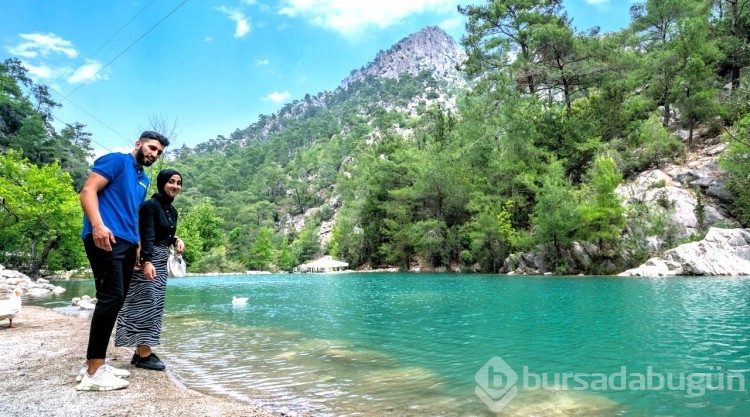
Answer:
(139, 321)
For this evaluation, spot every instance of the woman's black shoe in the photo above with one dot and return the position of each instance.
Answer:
(135, 359)
(150, 362)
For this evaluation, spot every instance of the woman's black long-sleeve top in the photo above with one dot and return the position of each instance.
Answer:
(157, 221)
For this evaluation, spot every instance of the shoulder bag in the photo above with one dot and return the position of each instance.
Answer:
(176, 266)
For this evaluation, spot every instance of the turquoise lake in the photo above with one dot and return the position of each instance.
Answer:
(433, 344)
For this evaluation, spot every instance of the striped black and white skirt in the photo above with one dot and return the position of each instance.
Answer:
(139, 321)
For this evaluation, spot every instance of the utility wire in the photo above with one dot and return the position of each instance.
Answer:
(126, 49)
(5, 57)
(114, 35)
(121, 29)
(105, 147)
(67, 97)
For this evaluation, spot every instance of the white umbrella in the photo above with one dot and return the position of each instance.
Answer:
(325, 263)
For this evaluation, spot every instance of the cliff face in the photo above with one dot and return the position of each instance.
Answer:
(723, 252)
(674, 191)
(430, 49)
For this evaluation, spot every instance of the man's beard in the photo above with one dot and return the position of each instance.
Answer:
(140, 157)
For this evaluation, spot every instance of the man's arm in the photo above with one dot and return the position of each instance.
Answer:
(103, 237)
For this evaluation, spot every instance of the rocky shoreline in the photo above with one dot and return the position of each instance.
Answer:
(723, 252)
(44, 351)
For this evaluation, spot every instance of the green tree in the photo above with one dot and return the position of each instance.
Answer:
(261, 255)
(14, 106)
(697, 82)
(284, 259)
(502, 28)
(40, 215)
(666, 31)
(307, 246)
(700, 212)
(200, 229)
(73, 151)
(649, 230)
(734, 162)
(429, 239)
(649, 145)
(570, 62)
(346, 237)
(602, 215)
(733, 30)
(555, 221)
(215, 260)
(489, 235)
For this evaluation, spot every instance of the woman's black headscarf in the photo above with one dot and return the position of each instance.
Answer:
(161, 181)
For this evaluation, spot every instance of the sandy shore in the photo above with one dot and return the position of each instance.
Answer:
(45, 350)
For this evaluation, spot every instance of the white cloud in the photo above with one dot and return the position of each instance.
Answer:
(278, 97)
(87, 72)
(260, 62)
(39, 51)
(41, 71)
(48, 74)
(350, 17)
(239, 18)
(43, 44)
(596, 2)
(452, 23)
(208, 39)
(243, 27)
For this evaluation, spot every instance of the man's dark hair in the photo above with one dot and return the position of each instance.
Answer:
(150, 134)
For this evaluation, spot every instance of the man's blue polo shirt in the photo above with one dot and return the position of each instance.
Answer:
(120, 199)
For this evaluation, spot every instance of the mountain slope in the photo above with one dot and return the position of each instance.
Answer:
(430, 49)
(419, 69)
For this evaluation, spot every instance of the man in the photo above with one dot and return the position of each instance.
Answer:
(110, 199)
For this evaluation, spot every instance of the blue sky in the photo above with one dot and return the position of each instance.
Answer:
(209, 67)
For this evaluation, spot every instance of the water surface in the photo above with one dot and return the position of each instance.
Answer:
(412, 344)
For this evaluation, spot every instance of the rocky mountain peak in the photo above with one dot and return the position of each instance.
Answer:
(429, 49)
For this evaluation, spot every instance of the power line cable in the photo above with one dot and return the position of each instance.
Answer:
(5, 57)
(67, 97)
(92, 140)
(120, 30)
(114, 35)
(126, 49)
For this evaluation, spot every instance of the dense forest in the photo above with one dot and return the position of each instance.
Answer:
(550, 121)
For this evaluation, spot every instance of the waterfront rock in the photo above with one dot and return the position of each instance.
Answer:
(723, 252)
(667, 194)
(577, 259)
(581, 253)
(674, 188)
(10, 280)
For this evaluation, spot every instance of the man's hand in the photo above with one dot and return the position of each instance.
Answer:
(103, 237)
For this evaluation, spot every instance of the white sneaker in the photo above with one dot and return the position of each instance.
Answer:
(120, 373)
(102, 380)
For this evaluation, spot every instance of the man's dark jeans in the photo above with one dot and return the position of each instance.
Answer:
(112, 272)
